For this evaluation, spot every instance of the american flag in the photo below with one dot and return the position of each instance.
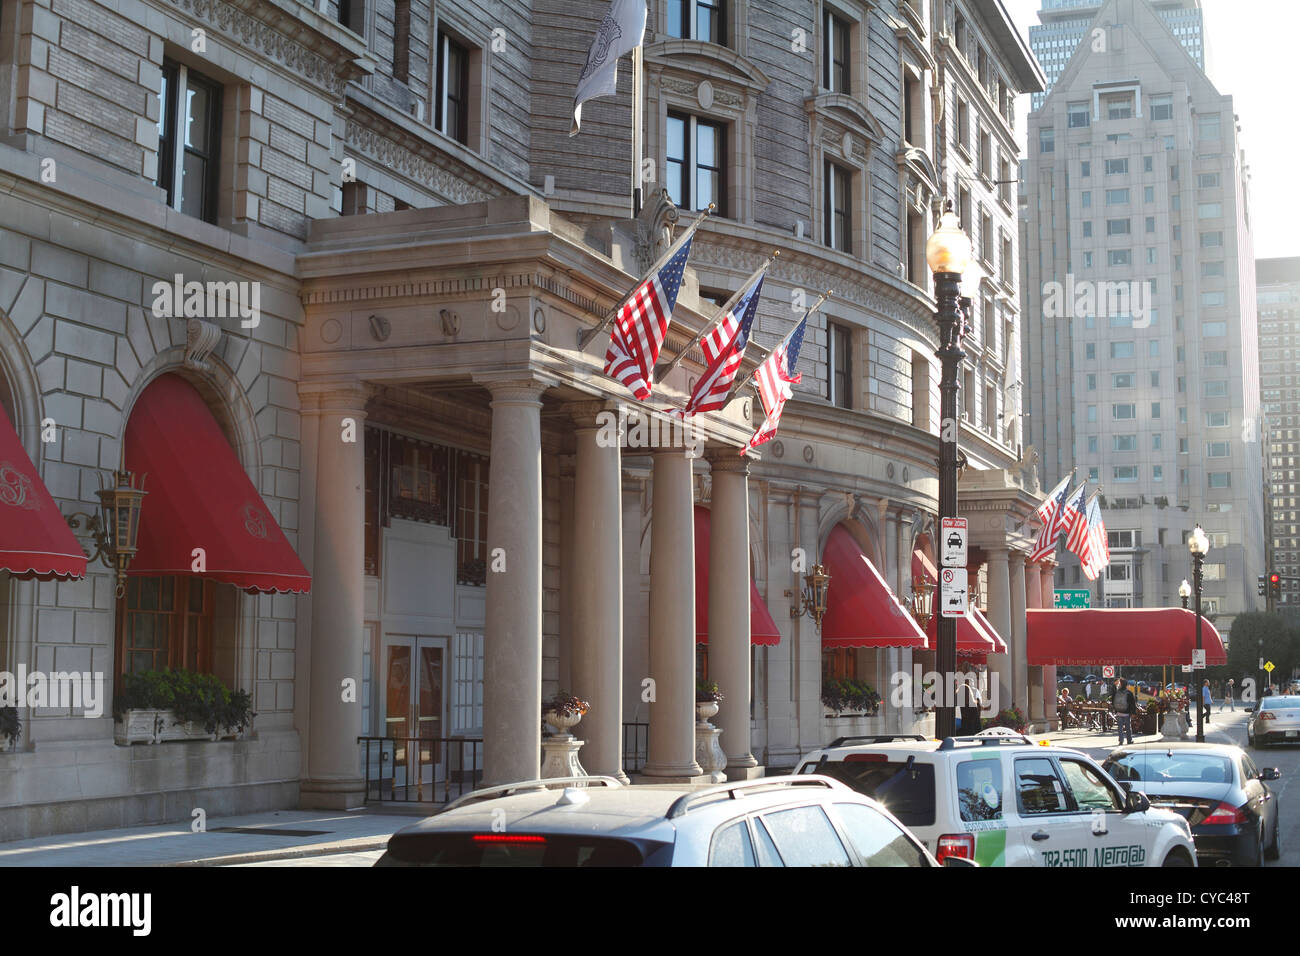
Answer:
(774, 380)
(1098, 546)
(724, 347)
(1049, 513)
(1076, 520)
(642, 324)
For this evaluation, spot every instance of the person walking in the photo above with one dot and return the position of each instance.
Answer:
(1124, 704)
(1227, 694)
(1206, 697)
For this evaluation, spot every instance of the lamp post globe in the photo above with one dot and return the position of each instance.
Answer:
(948, 253)
(1184, 592)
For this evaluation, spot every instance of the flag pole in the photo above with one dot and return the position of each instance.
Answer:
(662, 373)
(585, 337)
(638, 110)
(740, 383)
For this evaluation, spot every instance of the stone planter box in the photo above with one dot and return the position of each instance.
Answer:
(160, 726)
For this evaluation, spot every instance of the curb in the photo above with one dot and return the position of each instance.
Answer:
(359, 844)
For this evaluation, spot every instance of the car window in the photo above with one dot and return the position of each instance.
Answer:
(767, 853)
(905, 787)
(805, 837)
(1090, 791)
(1279, 703)
(877, 839)
(979, 790)
(1248, 769)
(1170, 766)
(1038, 787)
(731, 846)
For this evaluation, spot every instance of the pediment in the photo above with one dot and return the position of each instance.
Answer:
(847, 110)
(714, 61)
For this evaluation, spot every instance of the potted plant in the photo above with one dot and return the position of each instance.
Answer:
(153, 706)
(707, 698)
(1011, 717)
(10, 726)
(564, 711)
(850, 694)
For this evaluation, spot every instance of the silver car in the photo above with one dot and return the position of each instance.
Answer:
(1274, 720)
(596, 821)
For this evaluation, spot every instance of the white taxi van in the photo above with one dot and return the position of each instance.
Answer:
(999, 799)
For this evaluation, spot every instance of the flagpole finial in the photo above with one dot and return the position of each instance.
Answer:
(776, 253)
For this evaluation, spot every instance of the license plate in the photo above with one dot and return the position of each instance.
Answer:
(1292, 733)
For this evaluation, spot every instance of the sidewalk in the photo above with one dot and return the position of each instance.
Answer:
(1219, 730)
(253, 838)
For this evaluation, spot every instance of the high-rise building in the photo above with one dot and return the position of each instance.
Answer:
(1065, 23)
(1140, 354)
(1278, 282)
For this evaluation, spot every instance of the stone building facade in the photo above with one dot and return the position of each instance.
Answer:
(413, 405)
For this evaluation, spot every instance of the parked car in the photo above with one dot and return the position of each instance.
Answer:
(1091, 677)
(1215, 787)
(1066, 679)
(1273, 720)
(1002, 800)
(596, 821)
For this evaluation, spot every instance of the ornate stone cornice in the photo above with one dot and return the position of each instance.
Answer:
(407, 155)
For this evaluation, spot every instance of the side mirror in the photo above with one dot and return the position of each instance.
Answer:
(959, 861)
(1136, 802)
(1270, 773)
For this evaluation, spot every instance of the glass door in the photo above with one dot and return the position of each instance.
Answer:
(414, 702)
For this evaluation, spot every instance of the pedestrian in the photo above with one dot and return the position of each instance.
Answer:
(1228, 694)
(1206, 698)
(1124, 704)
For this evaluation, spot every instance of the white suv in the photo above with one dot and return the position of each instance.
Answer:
(595, 821)
(1002, 800)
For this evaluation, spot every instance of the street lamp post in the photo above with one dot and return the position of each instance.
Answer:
(948, 253)
(1199, 545)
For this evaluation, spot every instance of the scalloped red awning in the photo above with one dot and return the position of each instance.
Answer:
(200, 497)
(1125, 637)
(762, 629)
(35, 540)
(861, 610)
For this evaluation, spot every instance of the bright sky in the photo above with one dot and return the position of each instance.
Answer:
(1252, 54)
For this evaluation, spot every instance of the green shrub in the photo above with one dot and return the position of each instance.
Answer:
(10, 723)
(848, 693)
(191, 696)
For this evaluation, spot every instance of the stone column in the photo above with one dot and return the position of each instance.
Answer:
(999, 605)
(729, 585)
(672, 622)
(1046, 586)
(332, 777)
(597, 593)
(1017, 637)
(1037, 695)
(512, 652)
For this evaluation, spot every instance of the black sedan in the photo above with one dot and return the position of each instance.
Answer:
(1217, 788)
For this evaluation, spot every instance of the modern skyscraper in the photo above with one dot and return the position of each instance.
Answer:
(1278, 281)
(1140, 355)
(1065, 23)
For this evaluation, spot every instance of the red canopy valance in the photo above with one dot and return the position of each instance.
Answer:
(762, 629)
(861, 610)
(1120, 636)
(35, 540)
(200, 497)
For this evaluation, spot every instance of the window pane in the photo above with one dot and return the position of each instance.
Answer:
(731, 847)
(805, 838)
(197, 113)
(194, 171)
(1039, 788)
(878, 841)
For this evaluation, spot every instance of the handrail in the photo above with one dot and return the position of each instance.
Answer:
(682, 804)
(542, 783)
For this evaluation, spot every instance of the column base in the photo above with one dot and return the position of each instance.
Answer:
(332, 794)
(744, 772)
(681, 773)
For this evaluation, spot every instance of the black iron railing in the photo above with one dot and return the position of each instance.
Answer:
(636, 747)
(421, 769)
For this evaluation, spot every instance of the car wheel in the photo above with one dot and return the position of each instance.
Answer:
(1259, 848)
(1274, 850)
(1178, 857)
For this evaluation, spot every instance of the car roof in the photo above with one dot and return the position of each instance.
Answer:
(959, 745)
(1181, 746)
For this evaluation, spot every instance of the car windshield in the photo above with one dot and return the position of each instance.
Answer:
(1171, 767)
(1279, 703)
(905, 787)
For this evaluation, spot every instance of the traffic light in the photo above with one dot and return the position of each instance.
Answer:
(1275, 583)
(1263, 588)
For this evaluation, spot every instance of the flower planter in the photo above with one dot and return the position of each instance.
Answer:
(148, 726)
(562, 723)
(705, 710)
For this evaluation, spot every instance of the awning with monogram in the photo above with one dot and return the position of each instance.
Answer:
(198, 497)
(35, 541)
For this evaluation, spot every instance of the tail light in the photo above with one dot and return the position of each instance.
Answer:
(1224, 813)
(955, 844)
(515, 838)
(1267, 715)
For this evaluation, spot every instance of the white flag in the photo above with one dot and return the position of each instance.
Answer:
(620, 32)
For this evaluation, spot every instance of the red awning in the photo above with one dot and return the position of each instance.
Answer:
(35, 540)
(1120, 636)
(1000, 644)
(762, 629)
(200, 497)
(861, 610)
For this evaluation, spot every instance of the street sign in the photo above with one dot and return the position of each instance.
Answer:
(1198, 659)
(1187, 668)
(953, 541)
(1071, 598)
(953, 592)
(1268, 666)
(1108, 671)
(1261, 663)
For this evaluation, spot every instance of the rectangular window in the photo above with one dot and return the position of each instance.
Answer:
(1125, 472)
(1122, 380)
(1219, 479)
(697, 20)
(1119, 257)
(1123, 412)
(1119, 107)
(1080, 115)
(1085, 199)
(1218, 449)
(1150, 224)
(1116, 167)
(166, 623)
(1116, 197)
(840, 361)
(1151, 255)
(189, 169)
(451, 104)
(1207, 180)
(1211, 269)
(838, 207)
(1156, 441)
(1157, 472)
(1209, 210)
(835, 54)
(1162, 107)
(1121, 350)
(1092, 413)
(1155, 379)
(1153, 348)
(1211, 240)
(1216, 389)
(1118, 227)
(1216, 419)
(1124, 442)
(352, 14)
(1208, 127)
(1212, 298)
(1087, 229)
(1147, 164)
(1047, 140)
(1085, 169)
(1090, 351)
(1094, 474)
(1213, 330)
(696, 163)
(1087, 260)
(1092, 444)
(1155, 409)
(1216, 359)
(1148, 193)
(1092, 382)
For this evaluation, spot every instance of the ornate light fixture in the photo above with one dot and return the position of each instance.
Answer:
(1184, 592)
(812, 600)
(922, 601)
(116, 529)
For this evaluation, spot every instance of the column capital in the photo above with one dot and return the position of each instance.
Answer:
(342, 397)
(726, 459)
(586, 415)
(515, 387)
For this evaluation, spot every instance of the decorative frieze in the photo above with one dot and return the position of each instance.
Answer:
(392, 155)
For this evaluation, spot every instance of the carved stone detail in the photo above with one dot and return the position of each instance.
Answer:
(654, 228)
(405, 162)
(200, 339)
